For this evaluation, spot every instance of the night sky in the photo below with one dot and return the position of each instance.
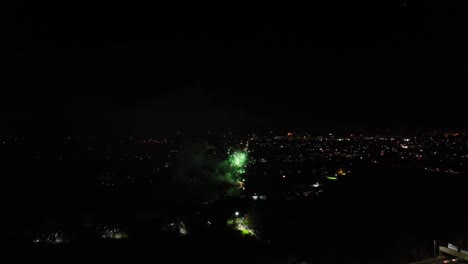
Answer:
(138, 69)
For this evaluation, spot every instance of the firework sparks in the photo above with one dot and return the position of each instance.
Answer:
(238, 159)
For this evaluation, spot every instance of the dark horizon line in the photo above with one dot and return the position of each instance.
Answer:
(311, 132)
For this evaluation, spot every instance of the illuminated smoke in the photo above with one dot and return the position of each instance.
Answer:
(207, 178)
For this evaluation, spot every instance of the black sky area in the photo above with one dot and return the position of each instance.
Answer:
(129, 68)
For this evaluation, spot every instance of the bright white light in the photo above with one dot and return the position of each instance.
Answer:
(236, 213)
(183, 229)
